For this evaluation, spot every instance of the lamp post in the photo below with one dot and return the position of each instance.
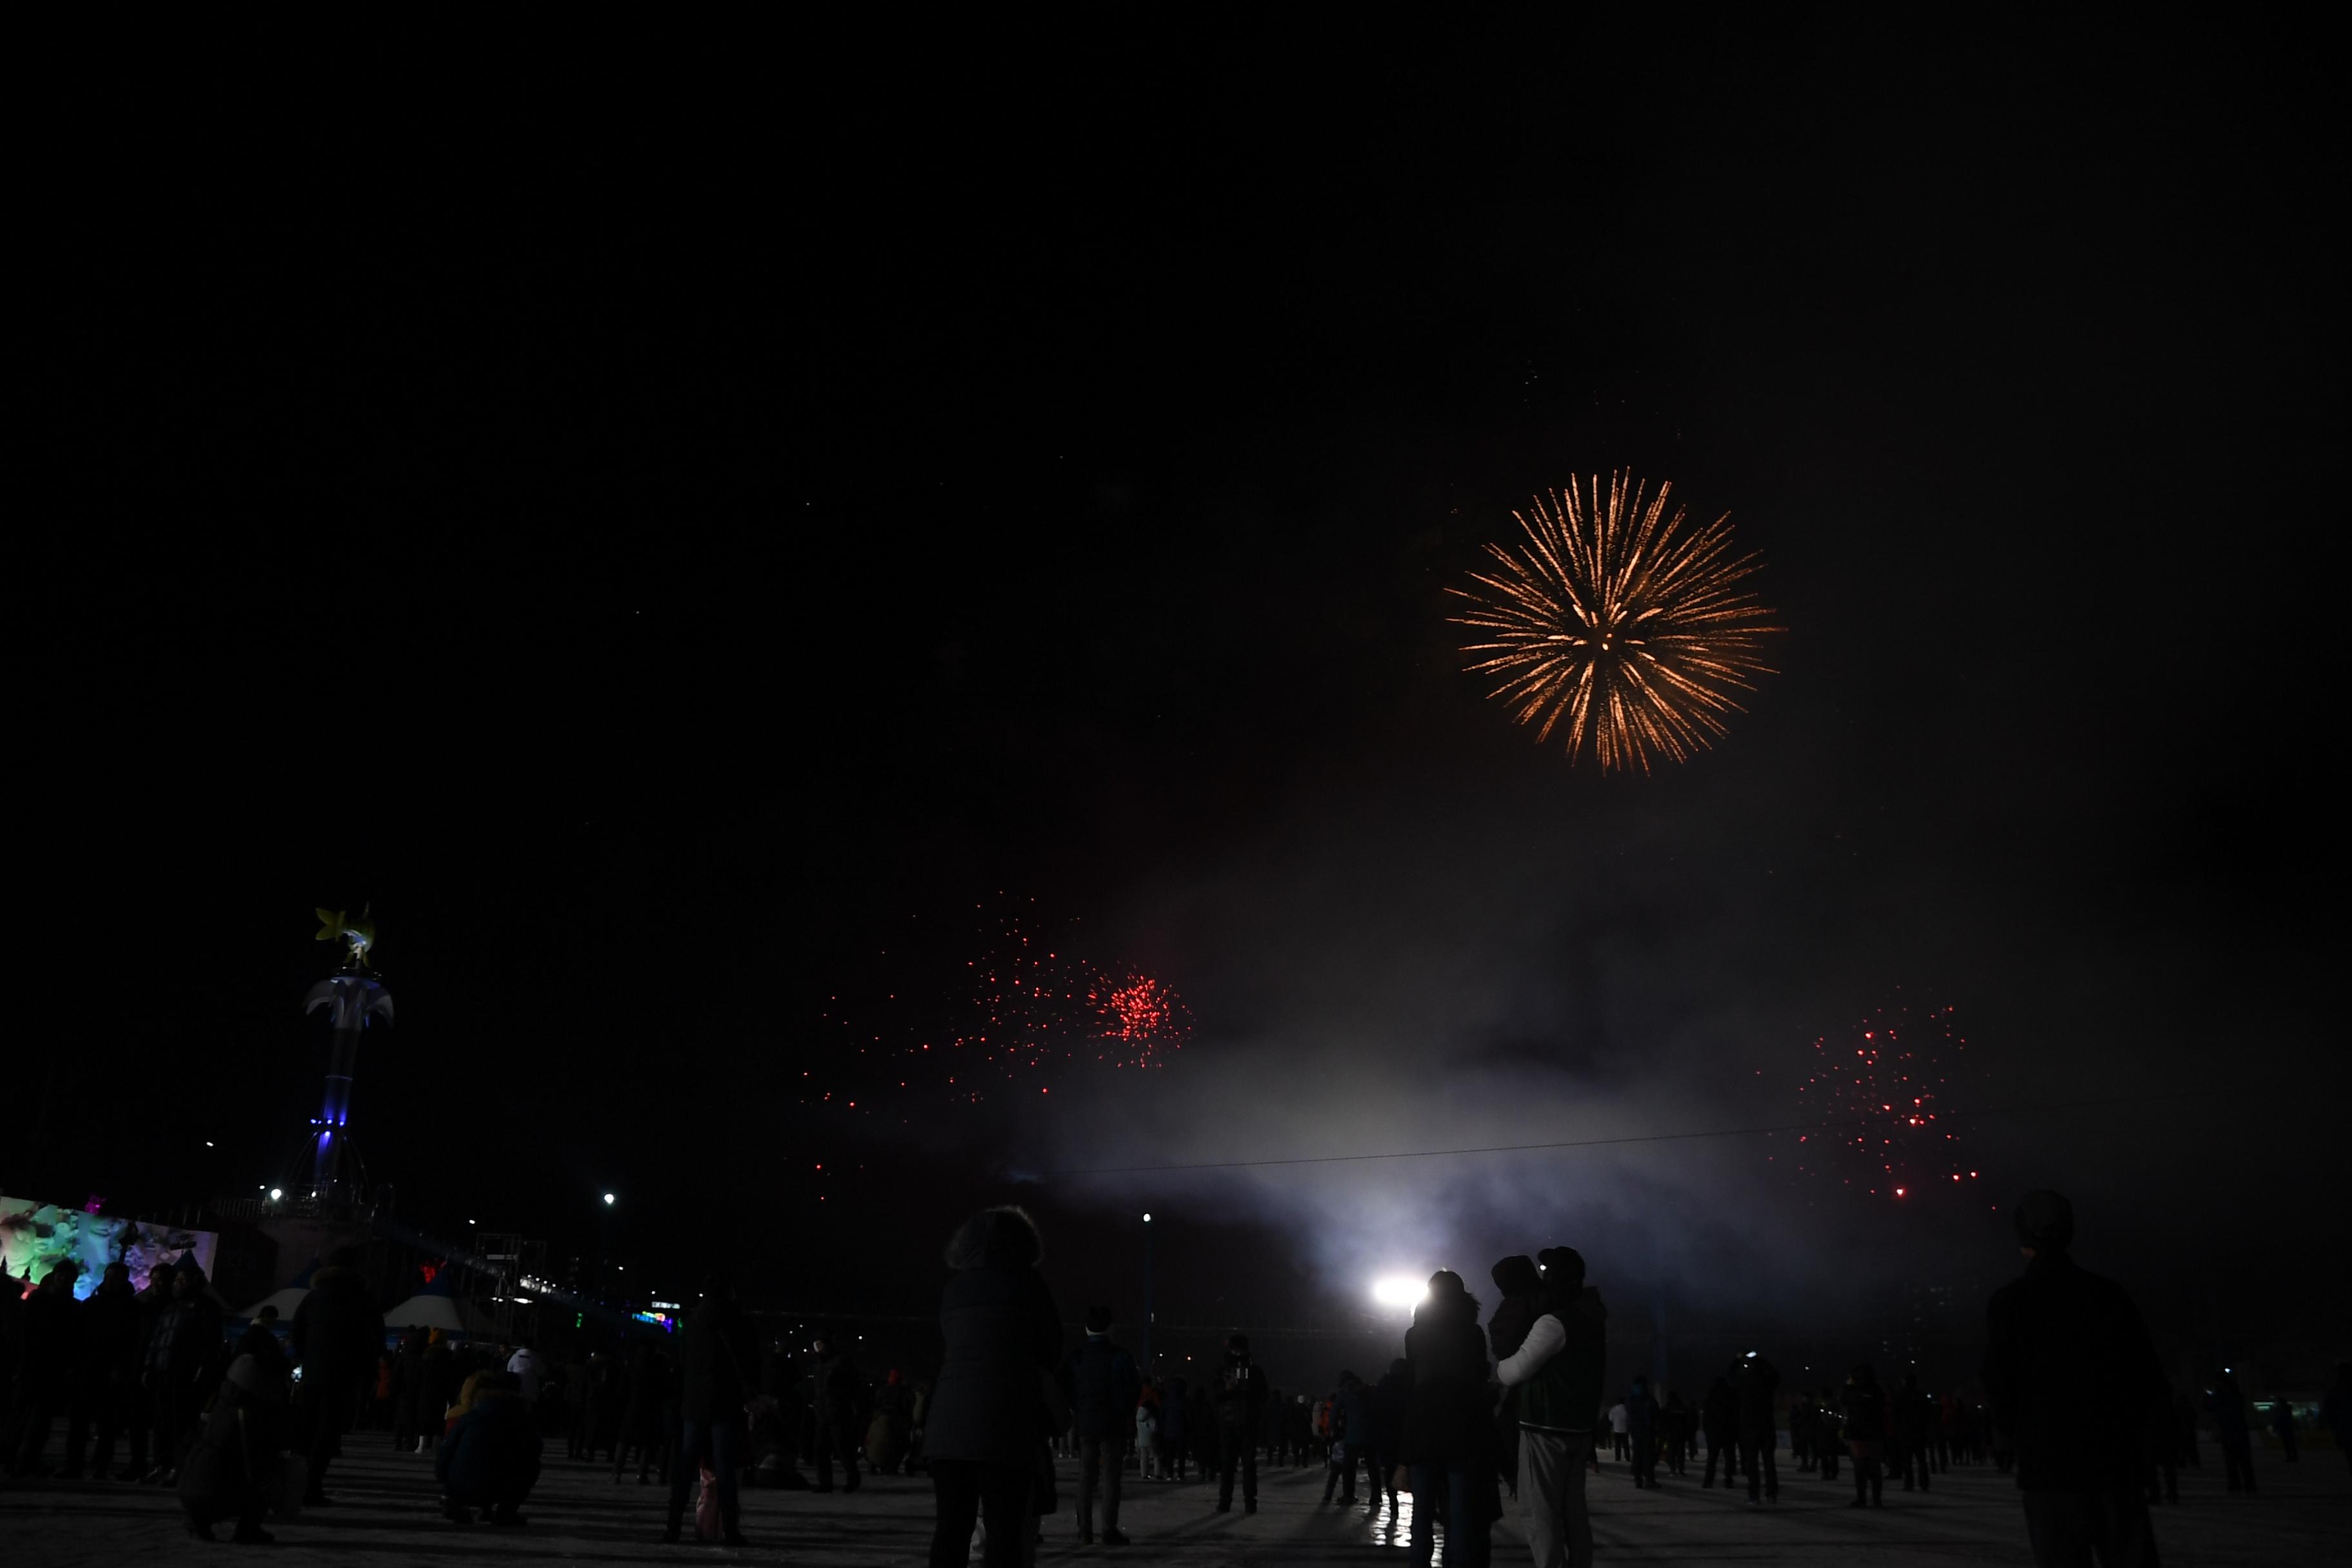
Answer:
(604, 1247)
(1147, 1295)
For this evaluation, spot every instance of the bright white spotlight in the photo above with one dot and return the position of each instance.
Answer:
(1398, 1290)
(610, 1200)
(275, 1194)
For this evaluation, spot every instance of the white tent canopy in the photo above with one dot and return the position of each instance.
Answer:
(432, 1310)
(425, 1311)
(285, 1300)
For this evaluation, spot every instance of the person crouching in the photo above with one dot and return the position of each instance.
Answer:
(490, 1459)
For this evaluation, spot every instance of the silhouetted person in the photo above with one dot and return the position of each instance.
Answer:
(51, 1331)
(228, 1472)
(1865, 1435)
(2335, 1410)
(1351, 1442)
(647, 1392)
(1914, 1411)
(2184, 1419)
(2073, 1378)
(1389, 1397)
(1829, 1436)
(1241, 1402)
(1641, 1429)
(2283, 1423)
(1175, 1428)
(183, 1362)
(988, 1422)
(2227, 1400)
(1719, 1422)
(337, 1333)
(1675, 1421)
(107, 1380)
(139, 1400)
(840, 1392)
(1520, 1283)
(1104, 1387)
(490, 1459)
(2160, 1442)
(1759, 1380)
(715, 1348)
(1448, 1426)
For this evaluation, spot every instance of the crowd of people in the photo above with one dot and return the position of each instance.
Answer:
(1469, 1421)
(2075, 1406)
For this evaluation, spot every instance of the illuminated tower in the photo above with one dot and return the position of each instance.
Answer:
(355, 998)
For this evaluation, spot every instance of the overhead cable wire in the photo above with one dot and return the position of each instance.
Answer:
(1628, 1137)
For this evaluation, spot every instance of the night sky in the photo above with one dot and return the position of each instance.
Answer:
(688, 549)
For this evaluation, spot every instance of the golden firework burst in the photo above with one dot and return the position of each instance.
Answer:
(1614, 619)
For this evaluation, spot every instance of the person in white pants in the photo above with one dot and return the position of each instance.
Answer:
(1555, 1375)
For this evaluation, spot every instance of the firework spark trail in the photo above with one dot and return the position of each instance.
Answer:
(1021, 1010)
(1882, 1089)
(1613, 618)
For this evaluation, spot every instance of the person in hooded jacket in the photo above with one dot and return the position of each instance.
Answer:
(490, 1460)
(989, 1416)
(1759, 1381)
(233, 1467)
(1555, 1378)
(338, 1334)
(716, 1348)
(2073, 1379)
(1239, 1400)
(1521, 1284)
(1448, 1428)
(1719, 1421)
(1105, 1387)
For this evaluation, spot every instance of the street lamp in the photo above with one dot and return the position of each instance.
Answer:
(1147, 1293)
(605, 1239)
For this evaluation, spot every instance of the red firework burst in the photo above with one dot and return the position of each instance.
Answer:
(1879, 1093)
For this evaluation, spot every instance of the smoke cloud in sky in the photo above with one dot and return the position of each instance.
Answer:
(1423, 976)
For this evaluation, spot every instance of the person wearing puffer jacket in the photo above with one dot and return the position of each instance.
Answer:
(489, 1461)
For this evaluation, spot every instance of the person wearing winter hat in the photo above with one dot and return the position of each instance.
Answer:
(2072, 1379)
